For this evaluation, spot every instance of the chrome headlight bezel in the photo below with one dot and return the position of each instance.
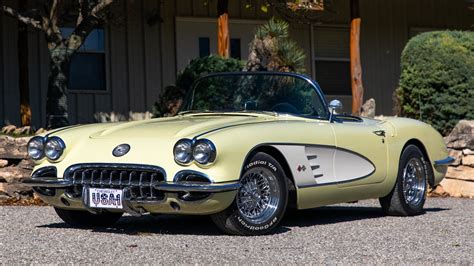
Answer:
(55, 152)
(36, 143)
(187, 157)
(206, 147)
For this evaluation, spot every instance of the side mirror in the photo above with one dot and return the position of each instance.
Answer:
(335, 107)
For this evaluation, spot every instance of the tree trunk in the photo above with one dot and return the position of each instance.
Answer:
(356, 68)
(25, 108)
(56, 104)
(223, 28)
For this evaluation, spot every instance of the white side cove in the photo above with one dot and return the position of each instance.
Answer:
(319, 165)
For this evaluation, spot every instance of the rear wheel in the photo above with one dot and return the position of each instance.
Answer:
(409, 194)
(85, 219)
(260, 202)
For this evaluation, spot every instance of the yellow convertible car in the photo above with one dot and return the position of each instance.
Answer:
(244, 148)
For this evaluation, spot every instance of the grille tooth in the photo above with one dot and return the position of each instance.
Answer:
(138, 179)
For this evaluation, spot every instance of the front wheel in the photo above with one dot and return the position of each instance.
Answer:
(85, 219)
(261, 200)
(409, 194)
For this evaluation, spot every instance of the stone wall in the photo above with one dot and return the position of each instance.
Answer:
(14, 166)
(459, 181)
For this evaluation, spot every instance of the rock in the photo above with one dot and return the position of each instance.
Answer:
(13, 148)
(468, 160)
(26, 164)
(457, 155)
(461, 172)
(467, 152)
(24, 131)
(9, 129)
(14, 174)
(40, 131)
(368, 108)
(15, 190)
(462, 136)
(458, 188)
(438, 191)
(3, 163)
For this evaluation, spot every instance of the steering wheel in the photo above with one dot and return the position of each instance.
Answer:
(285, 108)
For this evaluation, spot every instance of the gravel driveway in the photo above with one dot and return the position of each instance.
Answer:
(347, 233)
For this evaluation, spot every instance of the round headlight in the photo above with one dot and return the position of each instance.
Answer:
(36, 148)
(183, 151)
(53, 148)
(204, 151)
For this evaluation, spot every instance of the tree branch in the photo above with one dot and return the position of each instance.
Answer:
(54, 17)
(100, 6)
(81, 11)
(20, 17)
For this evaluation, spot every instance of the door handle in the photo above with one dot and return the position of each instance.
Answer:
(380, 133)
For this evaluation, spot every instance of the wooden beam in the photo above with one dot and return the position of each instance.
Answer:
(223, 28)
(356, 68)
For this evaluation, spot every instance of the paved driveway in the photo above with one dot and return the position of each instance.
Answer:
(347, 233)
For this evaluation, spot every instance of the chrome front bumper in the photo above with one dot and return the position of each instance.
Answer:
(52, 182)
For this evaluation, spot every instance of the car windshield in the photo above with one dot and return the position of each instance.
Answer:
(256, 92)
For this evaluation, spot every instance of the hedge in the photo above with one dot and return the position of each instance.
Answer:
(437, 78)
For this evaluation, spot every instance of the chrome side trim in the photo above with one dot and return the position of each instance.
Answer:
(198, 187)
(446, 161)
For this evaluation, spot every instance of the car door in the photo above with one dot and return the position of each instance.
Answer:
(361, 153)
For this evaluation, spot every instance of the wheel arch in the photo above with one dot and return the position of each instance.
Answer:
(419, 145)
(275, 153)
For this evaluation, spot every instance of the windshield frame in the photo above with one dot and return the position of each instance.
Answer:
(312, 82)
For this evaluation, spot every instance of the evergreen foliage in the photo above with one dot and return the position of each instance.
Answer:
(437, 78)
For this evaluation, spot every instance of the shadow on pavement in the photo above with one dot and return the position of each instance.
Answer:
(203, 225)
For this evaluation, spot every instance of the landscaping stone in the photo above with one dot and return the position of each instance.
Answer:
(3, 163)
(13, 148)
(462, 136)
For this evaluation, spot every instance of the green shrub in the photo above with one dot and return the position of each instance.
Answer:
(171, 98)
(437, 78)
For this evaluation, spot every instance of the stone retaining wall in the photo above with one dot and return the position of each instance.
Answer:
(14, 166)
(459, 181)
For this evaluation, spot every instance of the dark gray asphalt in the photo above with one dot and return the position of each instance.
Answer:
(348, 233)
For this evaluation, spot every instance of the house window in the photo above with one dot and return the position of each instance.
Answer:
(235, 48)
(332, 60)
(87, 70)
(204, 46)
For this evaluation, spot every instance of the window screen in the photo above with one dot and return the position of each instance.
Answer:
(204, 46)
(87, 70)
(332, 61)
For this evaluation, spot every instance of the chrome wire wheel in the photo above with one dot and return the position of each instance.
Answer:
(258, 196)
(414, 182)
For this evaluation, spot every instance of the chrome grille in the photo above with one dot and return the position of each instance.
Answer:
(138, 180)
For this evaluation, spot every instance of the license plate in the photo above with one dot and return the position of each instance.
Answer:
(105, 198)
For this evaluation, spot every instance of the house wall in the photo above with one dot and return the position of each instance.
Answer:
(142, 58)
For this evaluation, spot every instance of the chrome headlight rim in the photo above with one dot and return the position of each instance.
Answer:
(212, 152)
(190, 158)
(60, 151)
(42, 142)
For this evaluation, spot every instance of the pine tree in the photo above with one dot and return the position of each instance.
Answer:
(273, 50)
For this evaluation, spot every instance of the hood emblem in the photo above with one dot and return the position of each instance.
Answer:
(121, 150)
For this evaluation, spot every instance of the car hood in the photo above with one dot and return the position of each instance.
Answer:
(187, 126)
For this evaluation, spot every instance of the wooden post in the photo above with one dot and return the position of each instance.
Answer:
(223, 28)
(356, 68)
